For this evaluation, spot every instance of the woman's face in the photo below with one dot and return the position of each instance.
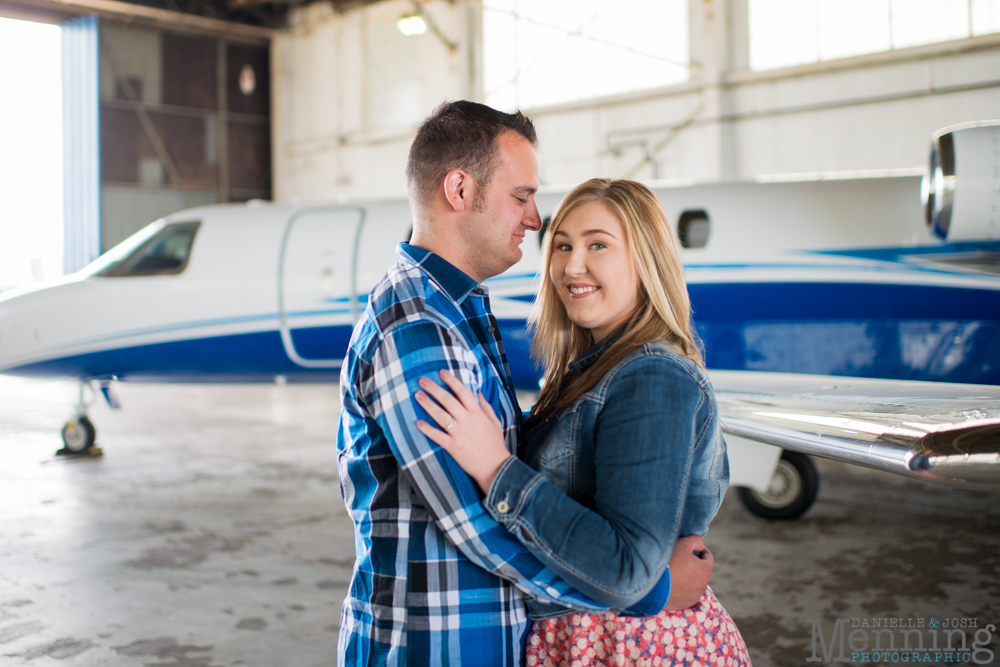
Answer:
(591, 269)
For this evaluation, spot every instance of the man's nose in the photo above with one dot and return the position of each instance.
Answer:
(532, 220)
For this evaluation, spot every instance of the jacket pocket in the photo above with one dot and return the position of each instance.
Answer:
(556, 457)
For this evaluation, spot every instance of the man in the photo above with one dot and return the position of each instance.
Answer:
(437, 580)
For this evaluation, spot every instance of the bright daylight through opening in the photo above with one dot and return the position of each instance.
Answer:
(543, 52)
(31, 212)
(784, 33)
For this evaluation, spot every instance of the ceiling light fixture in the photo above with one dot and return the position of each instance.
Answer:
(411, 25)
(419, 22)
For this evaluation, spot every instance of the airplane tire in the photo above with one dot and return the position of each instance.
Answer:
(791, 493)
(78, 436)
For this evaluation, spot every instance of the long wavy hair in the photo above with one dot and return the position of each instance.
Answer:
(663, 312)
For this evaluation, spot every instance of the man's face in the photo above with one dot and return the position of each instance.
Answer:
(506, 208)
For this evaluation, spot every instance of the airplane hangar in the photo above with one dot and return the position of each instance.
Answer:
(821, 163)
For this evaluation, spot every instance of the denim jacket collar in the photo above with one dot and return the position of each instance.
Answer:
(594, 352)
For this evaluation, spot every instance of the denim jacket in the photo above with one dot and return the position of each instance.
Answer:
(607, 485)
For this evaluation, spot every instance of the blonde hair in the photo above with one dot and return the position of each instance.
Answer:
(663, 312)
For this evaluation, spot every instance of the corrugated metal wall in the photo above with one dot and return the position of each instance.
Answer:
(81, 156)
(185, 121)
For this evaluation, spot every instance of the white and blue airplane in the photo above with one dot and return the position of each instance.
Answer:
(826, 333)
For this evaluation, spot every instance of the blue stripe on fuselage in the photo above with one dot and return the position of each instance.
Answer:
(910, 332)
(900, 255)
(905, 332)
(728, 302)
(249, 357)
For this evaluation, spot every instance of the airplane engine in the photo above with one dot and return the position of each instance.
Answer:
(962, 189)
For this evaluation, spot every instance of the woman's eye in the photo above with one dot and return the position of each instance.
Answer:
(563, 246)
(598, 246)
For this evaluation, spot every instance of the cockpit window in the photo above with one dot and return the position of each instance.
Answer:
(165, 253)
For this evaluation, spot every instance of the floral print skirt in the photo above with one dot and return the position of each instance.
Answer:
(701, 635)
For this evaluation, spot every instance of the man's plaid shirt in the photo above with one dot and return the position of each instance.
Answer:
(436, 581)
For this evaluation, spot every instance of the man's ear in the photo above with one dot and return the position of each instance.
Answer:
(458, 187)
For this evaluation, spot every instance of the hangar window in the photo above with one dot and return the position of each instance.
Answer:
(784, 33)
(165, 253)
(543, 52)
(693, 228)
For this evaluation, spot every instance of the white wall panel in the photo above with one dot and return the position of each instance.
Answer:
(350, 91)
(859, 114)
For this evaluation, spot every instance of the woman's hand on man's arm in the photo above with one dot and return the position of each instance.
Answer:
(690, 571)
(469, 430)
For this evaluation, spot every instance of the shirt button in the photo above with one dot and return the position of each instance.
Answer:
(503, 507)
(491, 329)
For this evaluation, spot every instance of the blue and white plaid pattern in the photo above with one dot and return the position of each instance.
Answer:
(436, 580)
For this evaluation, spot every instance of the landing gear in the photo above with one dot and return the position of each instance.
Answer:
(78, 434)
(790, 494)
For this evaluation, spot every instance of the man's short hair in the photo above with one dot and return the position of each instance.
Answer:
(460, 135)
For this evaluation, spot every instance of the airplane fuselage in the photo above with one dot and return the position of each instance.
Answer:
(274, 290)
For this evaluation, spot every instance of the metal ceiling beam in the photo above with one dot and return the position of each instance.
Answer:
(339, 6)
(10, 10)
(56, 11)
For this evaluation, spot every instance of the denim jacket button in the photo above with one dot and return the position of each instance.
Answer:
(503, 507)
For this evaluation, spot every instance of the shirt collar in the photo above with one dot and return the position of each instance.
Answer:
(455, 283)
(595, 351)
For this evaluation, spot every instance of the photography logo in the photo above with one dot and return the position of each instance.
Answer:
(919, 640)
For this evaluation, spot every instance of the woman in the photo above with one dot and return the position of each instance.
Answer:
(622, 453)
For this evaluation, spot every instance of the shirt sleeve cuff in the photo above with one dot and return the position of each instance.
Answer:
(510, 489)
(655, 600)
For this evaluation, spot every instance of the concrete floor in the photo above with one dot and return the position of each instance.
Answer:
(212, 533)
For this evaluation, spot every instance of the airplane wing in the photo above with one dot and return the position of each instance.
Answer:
(936, 432)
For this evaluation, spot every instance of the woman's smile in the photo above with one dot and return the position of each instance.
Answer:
(581, 291)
